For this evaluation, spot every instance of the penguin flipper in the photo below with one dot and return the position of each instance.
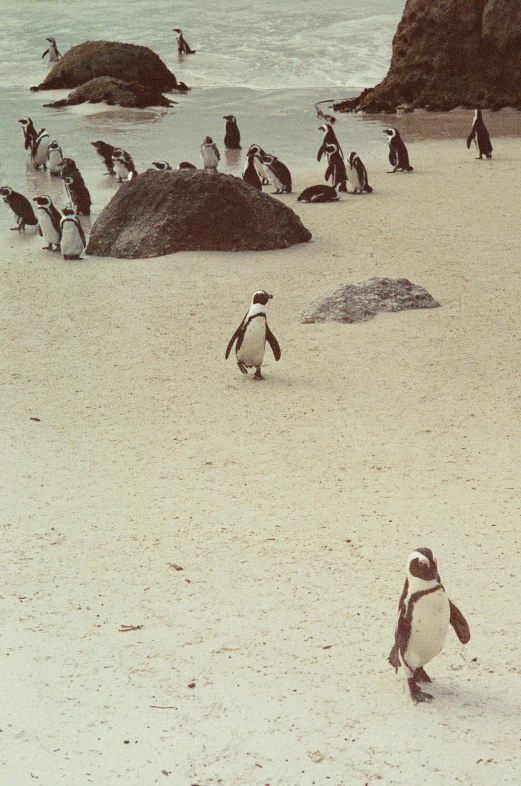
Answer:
(45, 53)
(82, 233)
(459, 623)
(321, 151)
(393, 157)
(470, 138)
(232, 340)
(274, 344)
(393, 658)
(329, 172)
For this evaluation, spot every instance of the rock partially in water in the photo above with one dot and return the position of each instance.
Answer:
(114, 92)
(361, 302)
(161, 212)
(127, 62)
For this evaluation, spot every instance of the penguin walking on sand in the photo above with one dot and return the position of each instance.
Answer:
(232, 135)
(210, 154)
(30, 132)
(336, 168)
(106, 152)
(40, 149)
(320, 193)
(75, 186)
(182, 46)
(72, 235)
(48, 222)
(357, 175)
(162, 166)
(20, 206)
(52, 51)
(424, 615)
(398, 154)
(54, 159)
(480, 136)
(123, 165)
(329, 139)
(250, 174)
(278, 174)
(251, 336)
(258, 153)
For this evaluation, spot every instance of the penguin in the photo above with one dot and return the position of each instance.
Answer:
(278, 173)
(357, 175)
(329, 139)
(232, 136)
(54, 159)
(48, 222)
(106, 152)
(336, 168)
(52, 51)
(398, 155)
(162, 166)
(251, 337)
(424, 615)
(30, 132)
(72, 235)
(76, 188)
(123, 165)
(250, 174)
(39, 150)
(182, 46)
(480, 136)
(186, 165)
(320, 193)
(258, 152)
(20, 206)
(210, 154)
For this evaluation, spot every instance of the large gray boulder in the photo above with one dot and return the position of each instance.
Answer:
(160, 213)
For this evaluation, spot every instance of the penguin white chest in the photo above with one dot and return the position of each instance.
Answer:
(71, 243)
(251, 351)
(54, 161)
(40, 156)
(122, 172)
(49, 233)
(429, 625)
(210, 160)
(354, 179)
(272, 177)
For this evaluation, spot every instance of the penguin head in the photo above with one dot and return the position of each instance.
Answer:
(255, 150)
(161, 165)
(186, 165)
(177, 30)
(261, 297)
(67, 163)
(54, 145)
(267, 158)
(391, 132)
(325, 127)
(68, 211)
(477, 114)
(51, 40)
(25, 121)
(352, 157)
(43, 201)
(208, 140)
(117, 154)
(422, 564)
(5, 191)
(230, 118)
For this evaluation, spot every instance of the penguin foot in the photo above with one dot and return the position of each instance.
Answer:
(15, 229)
(418, 695)
(47, 248)
(242, 367)
(420, 675)
(391, 172)
(257, 376)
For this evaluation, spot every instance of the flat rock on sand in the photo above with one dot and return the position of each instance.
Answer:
(360, 302)
(113, 91)
(160, 213)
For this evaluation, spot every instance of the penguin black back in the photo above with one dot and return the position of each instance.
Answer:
(480, 135)
(232, 136)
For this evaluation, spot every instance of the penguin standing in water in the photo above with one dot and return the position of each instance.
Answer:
(48, 222)
(232, 135)
(210, 154)
(336, 168)
(357, 175)
(54, 159)
(20, 206)
(278, 174)
(258, 153)
(182, 46)
(40, 149)
(424, 615)
(52, 51)
(75, 186)
(72, 235)
(106, 152)
(123, 165)
(329, 139)
(30, 132)
(251, 337)
(480, 136)
(398, 155)
(250, 174)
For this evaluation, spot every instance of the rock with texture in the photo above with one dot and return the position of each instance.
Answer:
(127, 62)
(449, 53)
(360, 302)
(161, 212)
(113, 91)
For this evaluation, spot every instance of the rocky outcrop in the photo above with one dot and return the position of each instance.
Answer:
(449, 53)
(127, 62)
(113, 91)
(360, 302)
(161, 212)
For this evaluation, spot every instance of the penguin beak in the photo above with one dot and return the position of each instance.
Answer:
(270, 296)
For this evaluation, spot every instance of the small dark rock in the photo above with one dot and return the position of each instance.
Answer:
(113, 91)
(361, 302)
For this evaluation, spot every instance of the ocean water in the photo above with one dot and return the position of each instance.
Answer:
(265, 62)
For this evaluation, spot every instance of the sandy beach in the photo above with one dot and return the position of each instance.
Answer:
(290, 505)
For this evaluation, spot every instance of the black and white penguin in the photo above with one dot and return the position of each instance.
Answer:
(278, 174)
(20, 206)
(123, 165)
(52, 51)
(162, 166)
(258, 152)
(48, 222)
(357, 175)
(40, 149)
(54, 159)
(251, 337)
(232, 135)
(336, 168)
(186, 165)
(72, 235)
(398, 155)
(480, 136)
(250, 174)
(182, 46)
(329, 139)
(75, 186)
(106, 152)
(320, 193)
(30, 132)
(424, 615)
(210, 154)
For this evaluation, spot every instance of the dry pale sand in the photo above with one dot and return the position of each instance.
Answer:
(291, 505)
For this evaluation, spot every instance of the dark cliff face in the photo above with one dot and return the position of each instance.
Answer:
(449, 53)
